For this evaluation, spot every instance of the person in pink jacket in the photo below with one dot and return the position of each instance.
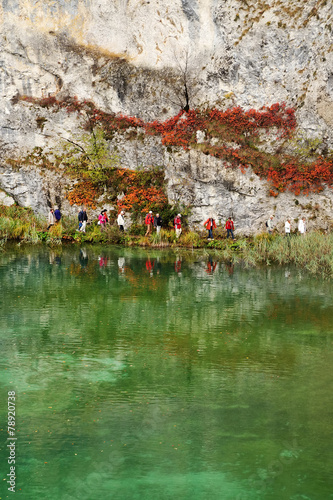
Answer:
(103, 219)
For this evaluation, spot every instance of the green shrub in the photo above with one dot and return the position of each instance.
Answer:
(138, 229)
(192, 239)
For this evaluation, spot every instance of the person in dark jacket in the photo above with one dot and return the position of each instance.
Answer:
(158, 223)
(83, 219)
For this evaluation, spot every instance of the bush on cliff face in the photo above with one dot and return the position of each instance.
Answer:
(89, 156)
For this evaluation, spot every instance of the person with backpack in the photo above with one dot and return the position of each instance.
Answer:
(230, 228)
(269, 225)
(149, 221)
(57, 215)
(210, 224)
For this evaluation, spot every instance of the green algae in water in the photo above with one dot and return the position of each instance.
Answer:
(144, 375)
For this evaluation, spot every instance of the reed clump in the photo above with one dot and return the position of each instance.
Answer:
(162, 239)
(313, 251)
(192, 239)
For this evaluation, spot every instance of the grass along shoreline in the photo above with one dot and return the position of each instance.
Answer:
(313, 252)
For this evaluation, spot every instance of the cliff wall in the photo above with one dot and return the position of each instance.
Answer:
(133, 57)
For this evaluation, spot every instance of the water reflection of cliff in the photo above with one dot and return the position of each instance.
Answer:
(188, 301)
(164, 350)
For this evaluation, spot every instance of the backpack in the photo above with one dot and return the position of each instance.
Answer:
(266, 223)
(57, 214)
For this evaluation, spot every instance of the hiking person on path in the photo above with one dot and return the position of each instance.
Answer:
(158, 223)
(301, 226)
(103, 219)
(121, 220)
(149, 221)
(287, 227)
(79, 218)
(210, 224)
(83, 219)
(230, 228)
(50, 219)
(178, 225)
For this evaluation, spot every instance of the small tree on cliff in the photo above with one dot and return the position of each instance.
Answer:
(183, 85)
(89, 157)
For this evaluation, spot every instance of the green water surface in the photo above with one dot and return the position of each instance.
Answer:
(157, 375)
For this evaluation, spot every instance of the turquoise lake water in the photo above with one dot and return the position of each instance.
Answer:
(164, 375)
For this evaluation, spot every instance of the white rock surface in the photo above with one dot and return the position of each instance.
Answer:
(6, 200)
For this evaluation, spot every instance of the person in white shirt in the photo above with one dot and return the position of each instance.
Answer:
(121, 220)
(287, 227)
(301, 226)
(51, 218)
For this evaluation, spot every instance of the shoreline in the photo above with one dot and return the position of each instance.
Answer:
(312, 252)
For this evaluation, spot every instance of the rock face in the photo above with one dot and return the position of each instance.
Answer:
(133, 56)
(214, 189)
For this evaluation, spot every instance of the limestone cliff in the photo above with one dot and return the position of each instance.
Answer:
(132, 56)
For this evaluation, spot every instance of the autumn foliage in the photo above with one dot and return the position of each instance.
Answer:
(83, 193)
(143, 190)
(233, 135)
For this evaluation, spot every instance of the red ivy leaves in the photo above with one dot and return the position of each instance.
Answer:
(83, 193)
(233, 125)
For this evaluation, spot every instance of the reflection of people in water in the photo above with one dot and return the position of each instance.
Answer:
(150, 266)
(121, 264)
(178, 265)
(211, 266)
(102, 261)
(158, 266)
(230, 268)
(54, 258)
(83, 257)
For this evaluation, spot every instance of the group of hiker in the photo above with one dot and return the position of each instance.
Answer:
(301, 226)
(210, 224)
(155, 222)
(151, 222)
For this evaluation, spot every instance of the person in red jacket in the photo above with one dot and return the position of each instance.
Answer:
(149, 221)
(230, 228)
(210, 224)
(178, 225)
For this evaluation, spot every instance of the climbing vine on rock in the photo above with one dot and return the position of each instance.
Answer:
(233, 135)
